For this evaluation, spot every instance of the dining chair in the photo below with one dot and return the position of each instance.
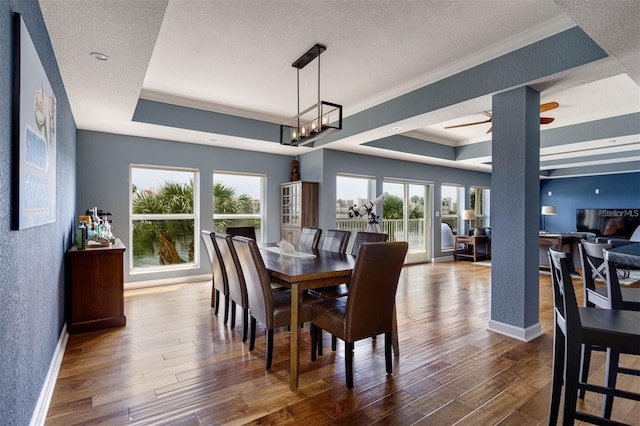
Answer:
(369, 309)
(271, 308)
(236, 282)
(244, 231)
(219, 274)
(576, 326)
(607, 295)
(310, 237)
(336, 241)
(367, 237)
(342, 290)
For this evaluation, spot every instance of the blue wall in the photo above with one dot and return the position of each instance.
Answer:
(615, 192)
(32, 278)
(103, 171)
(328, 163)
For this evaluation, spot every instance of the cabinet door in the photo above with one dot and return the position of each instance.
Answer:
(296, 204)
(290, 234)
(285, 205)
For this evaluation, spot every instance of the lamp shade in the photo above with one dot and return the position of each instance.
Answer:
(548, 210)
(468, 215)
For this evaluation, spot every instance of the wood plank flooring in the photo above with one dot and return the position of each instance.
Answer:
(175, 363)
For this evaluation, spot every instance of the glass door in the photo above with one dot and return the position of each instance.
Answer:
(407, 217)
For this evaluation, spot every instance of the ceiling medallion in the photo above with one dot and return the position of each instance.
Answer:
(318, 120)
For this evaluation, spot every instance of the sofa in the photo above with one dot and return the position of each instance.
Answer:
(616, 241)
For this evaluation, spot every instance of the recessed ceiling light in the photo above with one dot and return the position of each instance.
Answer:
(396, 128)
(99, 56)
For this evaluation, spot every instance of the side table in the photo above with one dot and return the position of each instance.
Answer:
(470, 245)
(96, 288)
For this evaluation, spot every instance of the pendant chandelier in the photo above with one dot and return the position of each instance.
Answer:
(318, 120)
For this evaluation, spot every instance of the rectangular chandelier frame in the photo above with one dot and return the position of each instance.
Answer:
(318, 120)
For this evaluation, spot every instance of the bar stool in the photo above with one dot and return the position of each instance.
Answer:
(615, 329)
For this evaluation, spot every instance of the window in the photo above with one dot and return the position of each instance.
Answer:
(163, 221)
(353, 191)
(405, 217)
(479, 201)
(237, 201)
(451, 196)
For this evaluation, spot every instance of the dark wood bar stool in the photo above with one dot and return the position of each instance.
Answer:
(609, 296)
(576, 326)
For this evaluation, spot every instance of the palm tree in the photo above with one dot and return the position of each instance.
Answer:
(160, 237)
(225, 201)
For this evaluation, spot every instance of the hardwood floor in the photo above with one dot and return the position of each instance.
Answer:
(176, 363)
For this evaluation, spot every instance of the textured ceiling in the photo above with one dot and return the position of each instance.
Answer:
(235, 57)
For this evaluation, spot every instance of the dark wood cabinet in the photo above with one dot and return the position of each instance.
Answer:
(96, 293)
(298, 209)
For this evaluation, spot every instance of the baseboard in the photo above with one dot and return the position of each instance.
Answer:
(42, 406)
(166, 281)
(524, 334)
(442, 259)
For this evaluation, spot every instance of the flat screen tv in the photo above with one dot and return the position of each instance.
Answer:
(608, 222)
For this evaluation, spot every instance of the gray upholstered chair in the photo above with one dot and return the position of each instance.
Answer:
(219, 274)
(244, 231)
(336, 241)
(235, 279)
(273, 309)
(310, 237)
(369, 309)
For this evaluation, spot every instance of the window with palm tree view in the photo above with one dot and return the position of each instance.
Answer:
(237, 201)
(163, 218)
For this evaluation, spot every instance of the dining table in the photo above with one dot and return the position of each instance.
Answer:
(301, 270)
(627, 255)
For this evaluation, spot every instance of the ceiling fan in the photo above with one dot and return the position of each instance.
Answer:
(543, 120)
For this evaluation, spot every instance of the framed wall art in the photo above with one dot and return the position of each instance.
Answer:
(33, 133)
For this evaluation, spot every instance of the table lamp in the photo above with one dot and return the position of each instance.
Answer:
(547, 211)
(468, 215)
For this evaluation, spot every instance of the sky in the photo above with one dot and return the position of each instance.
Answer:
(152, 178)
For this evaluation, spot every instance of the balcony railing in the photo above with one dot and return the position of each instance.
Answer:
(392, 227)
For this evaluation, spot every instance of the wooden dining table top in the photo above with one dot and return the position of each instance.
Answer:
(323, 266)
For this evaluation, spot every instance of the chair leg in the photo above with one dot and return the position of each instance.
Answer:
(245, 324)
(319, 339)
(314, 341)
(610, 379)
(584, 368)
(334, 342)
(233, 315)
(348, 363)
(226, 309)
(215, 300)
(571, 377)
(252, 339)
(269, 349)
(556, 376)
(387, 352)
